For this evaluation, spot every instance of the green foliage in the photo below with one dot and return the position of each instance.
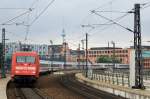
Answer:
(106, 59)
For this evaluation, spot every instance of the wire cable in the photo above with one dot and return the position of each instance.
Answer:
(112, 11)
(109, 23)
(22, 14)
(50, 3)
(105, 4)
(145, 5)
(14, 9)
(28, 26)
(34, 3)
(113, 21)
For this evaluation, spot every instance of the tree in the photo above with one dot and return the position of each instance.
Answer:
(106, 59)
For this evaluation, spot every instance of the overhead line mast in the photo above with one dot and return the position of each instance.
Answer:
(137, 44)
(138, 49)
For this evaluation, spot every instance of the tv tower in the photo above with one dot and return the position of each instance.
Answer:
(64, 43)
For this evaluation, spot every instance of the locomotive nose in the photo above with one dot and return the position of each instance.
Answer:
(28, 64)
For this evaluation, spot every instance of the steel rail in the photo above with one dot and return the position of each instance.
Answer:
(87, 91)
(29, 93)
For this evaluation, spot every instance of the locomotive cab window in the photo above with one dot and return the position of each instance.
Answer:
(25, 59)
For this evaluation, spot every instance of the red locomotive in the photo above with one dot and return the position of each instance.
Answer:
(25, 65)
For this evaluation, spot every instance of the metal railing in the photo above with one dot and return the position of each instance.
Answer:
(110, 78)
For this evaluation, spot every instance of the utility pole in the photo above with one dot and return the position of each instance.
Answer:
(113, 67)
(79, 56)
(65, 56)
(86, 54)
(138, 49)
(82, 41)
(3, 53)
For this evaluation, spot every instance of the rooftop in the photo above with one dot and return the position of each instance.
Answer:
(103, 48)
(145, 47)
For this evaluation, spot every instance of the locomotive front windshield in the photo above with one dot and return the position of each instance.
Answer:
(25, 59)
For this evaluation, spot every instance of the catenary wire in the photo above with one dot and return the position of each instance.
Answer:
(50, 3)
(22, 14)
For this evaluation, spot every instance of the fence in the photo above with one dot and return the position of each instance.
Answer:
(111, 78)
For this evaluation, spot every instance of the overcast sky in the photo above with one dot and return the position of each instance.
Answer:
(70, 15)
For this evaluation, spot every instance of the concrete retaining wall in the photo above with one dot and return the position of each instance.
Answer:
(115, 89)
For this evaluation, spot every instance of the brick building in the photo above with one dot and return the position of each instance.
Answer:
(59, 52)
(146, 57)
(121, 54)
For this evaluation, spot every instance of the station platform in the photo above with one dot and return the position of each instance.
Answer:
(3, 86)
(124, 91)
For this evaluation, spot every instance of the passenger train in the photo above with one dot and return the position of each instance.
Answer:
(47, 65)
(25, 65)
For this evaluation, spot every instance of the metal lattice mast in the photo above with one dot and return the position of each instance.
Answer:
(3, 53)
(138, 48)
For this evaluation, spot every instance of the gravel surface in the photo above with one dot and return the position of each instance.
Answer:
(51, 86)
(10, 91)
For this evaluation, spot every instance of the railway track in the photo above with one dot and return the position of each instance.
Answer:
(89, 92)
(27, 92)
